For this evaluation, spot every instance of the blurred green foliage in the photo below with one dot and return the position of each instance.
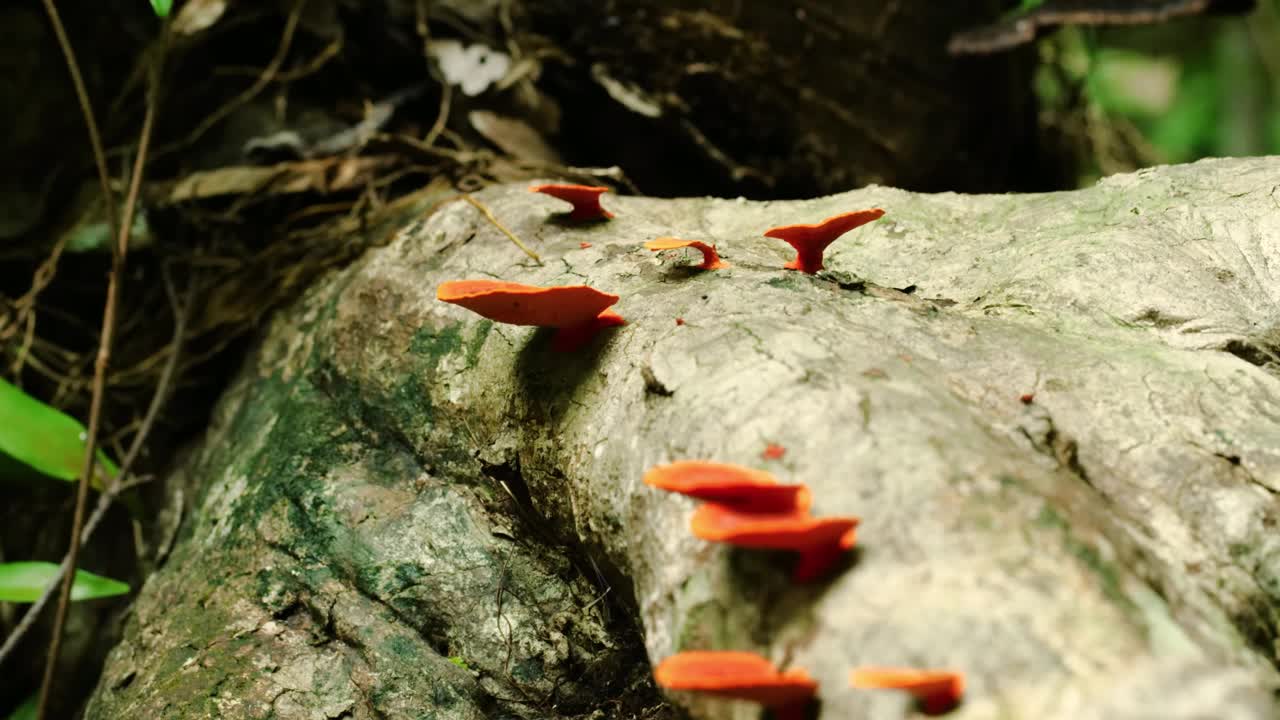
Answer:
(27, 710)
(1193, 88)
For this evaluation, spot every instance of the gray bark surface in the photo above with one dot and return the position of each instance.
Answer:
(404, 510)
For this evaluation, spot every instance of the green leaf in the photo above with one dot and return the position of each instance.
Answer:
(161, 7)
(24, 582)
(27, 710)
(43, 438)
(96, 236)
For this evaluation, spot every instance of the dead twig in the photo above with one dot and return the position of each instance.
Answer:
(489, 215)
(269, 74)
(26, 315)
(26, 305)
(307, 69)
(438, 127)
(122, 481)
(86, 109)
(446, 89)
(33, 611)
(100, 372)
(458, 157)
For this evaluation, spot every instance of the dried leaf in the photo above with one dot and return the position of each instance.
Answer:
(196, 16)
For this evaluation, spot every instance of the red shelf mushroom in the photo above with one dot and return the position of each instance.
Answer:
(584, 198)
(811, 240)
(735, 486)
(936, 691)
(820, 541)
(576, 311)
(710, 259)
(739, 676)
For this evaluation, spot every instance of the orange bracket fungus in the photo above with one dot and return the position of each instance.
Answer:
(936, 691)
(710, 259)
(820, 541)
(773, 451)
(811, 240)
(576, 311)
(739, 676)
(733, 486)
(584, 198)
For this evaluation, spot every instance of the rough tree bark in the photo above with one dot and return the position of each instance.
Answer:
(750, 98)
(403, 510)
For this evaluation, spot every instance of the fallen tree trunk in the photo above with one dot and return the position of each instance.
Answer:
(403, 510)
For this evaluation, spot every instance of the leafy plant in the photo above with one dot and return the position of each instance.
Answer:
(162, 7)
(42, 437)
(24, 582)
(1198, 89)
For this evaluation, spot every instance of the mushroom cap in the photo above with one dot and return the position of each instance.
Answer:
(791, 530)
(818, 236)
(584, 198)
(710, 258)
(671, 243)
(825, 231)
(570, 192)
(516, 304)
(739, 675)
(736, 486)
(937, 691)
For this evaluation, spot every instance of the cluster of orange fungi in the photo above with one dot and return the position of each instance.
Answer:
(789, 694)
(749, 508)
(741, 506)
(578, 312)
